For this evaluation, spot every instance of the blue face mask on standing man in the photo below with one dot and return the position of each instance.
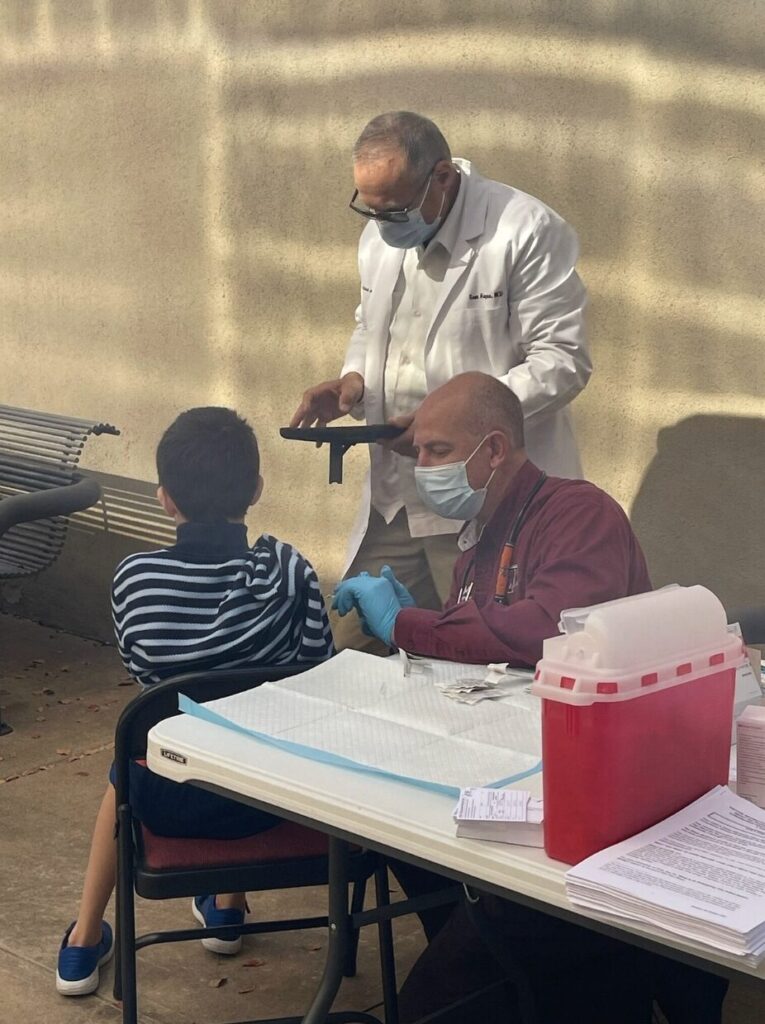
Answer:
(407, 228)
(413, 231)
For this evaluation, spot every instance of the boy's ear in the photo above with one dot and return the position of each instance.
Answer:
(259, 491)
(167, 502)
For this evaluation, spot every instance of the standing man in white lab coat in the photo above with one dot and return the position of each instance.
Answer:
(457, 273)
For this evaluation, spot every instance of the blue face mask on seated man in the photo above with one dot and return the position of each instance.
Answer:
(446, 490)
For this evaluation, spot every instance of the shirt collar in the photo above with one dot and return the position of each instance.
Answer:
(447, 234)
(505, 513)
(223, 540)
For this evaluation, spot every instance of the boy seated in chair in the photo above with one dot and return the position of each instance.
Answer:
(210, 601)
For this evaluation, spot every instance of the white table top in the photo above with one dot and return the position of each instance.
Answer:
(381, 812)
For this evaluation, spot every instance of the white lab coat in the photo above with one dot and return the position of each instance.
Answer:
(511, 305)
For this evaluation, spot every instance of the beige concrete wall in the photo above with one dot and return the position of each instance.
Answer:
(174, 230)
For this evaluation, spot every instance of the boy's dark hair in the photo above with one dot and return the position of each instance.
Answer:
(208, 462)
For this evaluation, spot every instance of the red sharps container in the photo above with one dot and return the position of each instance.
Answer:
(637, 703)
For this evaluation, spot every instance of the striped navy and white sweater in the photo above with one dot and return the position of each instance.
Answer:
(212, 601)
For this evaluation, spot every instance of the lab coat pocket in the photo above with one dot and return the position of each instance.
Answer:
(477, 322)
(476, 338)
(481, 311)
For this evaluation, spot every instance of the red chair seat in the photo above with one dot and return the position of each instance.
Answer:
(287, 841)
(156, 867)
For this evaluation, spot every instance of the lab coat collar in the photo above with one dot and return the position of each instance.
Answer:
(467, 218)
(475, 202)
(385, 271)
(474, 209)
(449, 232)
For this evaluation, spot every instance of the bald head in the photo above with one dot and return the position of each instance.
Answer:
(475, 420)
(473, 405)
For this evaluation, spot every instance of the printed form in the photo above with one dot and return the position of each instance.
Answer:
(478, 804)
(500, 816)
(699, 873)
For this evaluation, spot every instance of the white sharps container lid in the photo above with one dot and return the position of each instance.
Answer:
(636, 644)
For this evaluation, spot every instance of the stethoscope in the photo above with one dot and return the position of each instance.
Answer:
(507, 574)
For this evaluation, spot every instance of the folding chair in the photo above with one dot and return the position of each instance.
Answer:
(287, 856)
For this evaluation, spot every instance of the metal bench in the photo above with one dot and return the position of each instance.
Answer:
(39, 486)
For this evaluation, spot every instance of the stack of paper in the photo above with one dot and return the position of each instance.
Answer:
(699, 874)
(500, 815)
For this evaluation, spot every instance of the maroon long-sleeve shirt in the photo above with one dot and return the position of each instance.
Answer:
(576, 548)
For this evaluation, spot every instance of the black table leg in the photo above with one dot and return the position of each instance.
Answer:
(339, 933)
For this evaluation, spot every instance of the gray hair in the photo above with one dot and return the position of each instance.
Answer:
(418, 138)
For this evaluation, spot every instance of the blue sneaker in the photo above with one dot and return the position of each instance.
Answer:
(204, 910)
(78, 966)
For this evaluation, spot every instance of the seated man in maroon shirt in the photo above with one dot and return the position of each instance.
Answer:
(532, 546)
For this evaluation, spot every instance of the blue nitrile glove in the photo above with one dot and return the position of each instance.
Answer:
(405, 599)
(374, 599)
(342, 599)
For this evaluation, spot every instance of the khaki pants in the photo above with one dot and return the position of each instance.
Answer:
(423, 564)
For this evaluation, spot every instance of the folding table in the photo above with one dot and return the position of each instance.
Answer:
(394, 818)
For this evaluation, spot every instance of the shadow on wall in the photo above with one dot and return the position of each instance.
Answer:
(160, 249)
(707, 471)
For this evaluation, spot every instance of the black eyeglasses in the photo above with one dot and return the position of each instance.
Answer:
(393, 216)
